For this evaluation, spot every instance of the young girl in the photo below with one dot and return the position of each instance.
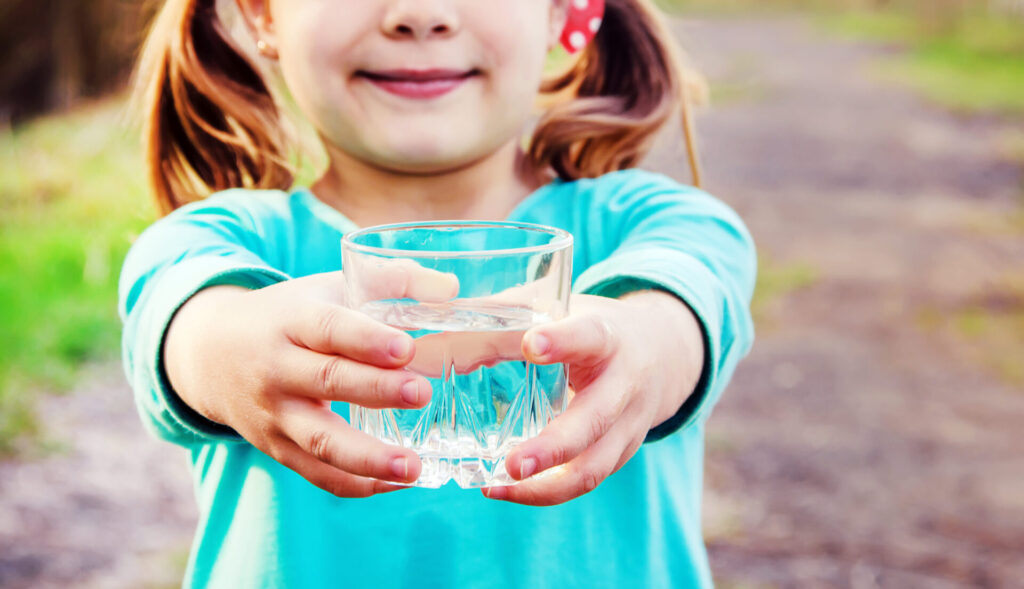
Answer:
(240, 347)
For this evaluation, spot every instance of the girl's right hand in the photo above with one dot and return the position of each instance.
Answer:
(268, 363)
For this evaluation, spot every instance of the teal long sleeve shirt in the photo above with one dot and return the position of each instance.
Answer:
(263, 525)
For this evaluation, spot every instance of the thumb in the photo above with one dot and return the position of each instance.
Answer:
(330, 287)
(585, 340)
(372, 279)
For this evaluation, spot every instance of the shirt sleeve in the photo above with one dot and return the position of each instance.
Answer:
(671, 237)
(197, 246)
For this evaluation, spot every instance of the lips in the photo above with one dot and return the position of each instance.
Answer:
(410, 83)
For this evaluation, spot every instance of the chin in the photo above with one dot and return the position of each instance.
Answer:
(424, 166)
(426, 159)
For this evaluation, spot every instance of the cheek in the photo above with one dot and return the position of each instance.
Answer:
(516, 73)
(313, 42)
(515, 39)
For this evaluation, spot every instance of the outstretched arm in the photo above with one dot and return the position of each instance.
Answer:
(651, 354)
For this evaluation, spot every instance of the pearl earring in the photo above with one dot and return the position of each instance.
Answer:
(265, 49)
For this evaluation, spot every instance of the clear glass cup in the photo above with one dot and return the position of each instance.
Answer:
(466, 292)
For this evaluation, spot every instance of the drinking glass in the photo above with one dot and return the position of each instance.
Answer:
(466, 292)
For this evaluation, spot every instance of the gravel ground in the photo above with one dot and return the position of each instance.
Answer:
(855, 447)
(110, 507)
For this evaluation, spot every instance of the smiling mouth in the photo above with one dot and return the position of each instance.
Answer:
(422, 76)
(420, 84)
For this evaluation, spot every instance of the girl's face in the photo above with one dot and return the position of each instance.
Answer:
(351, 66)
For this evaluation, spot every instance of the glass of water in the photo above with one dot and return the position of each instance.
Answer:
(466, 292)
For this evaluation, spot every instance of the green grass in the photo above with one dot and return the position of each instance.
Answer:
(775, 281)
(986, 330)
(971, 64)
(994, 339)
(72, 198)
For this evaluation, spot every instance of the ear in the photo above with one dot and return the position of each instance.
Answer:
(258, 19)
(558, 16)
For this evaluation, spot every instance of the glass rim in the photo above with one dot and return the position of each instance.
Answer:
(562, 239)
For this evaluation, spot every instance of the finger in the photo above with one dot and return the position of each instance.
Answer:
(330, 479)
(374, 278)
(333, 329)
(331, 287)
(330, 439)
(334, 378)
(520, 295)
(574, 479)
(586, 340)
(588, 418)
(464, 351)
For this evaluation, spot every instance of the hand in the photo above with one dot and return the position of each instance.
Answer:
(269, 362)
(632, 362)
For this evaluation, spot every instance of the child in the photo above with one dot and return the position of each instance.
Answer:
(237, 339)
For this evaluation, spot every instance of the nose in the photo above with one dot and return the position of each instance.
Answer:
(420, 19)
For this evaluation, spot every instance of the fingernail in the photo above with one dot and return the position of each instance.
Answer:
(400, 347)
(400, 466)
(497, 492)
(411, 392)
(527, 466)
(539, 344)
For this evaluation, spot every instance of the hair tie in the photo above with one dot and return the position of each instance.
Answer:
(583, 22)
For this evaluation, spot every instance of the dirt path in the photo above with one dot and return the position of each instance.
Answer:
(111, 508)
(855, 448)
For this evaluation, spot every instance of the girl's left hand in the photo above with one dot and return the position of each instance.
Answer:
(632, 362)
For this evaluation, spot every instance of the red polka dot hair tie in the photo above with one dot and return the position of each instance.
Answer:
(583, 22)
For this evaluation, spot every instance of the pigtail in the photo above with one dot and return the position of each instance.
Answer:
(210, 121)
(616, 97)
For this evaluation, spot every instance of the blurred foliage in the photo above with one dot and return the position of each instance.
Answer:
(53, 53)
(72, 197)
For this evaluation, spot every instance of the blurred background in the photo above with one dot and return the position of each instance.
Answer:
(874, 147)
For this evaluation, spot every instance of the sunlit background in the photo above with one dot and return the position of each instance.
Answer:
(875, 148)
